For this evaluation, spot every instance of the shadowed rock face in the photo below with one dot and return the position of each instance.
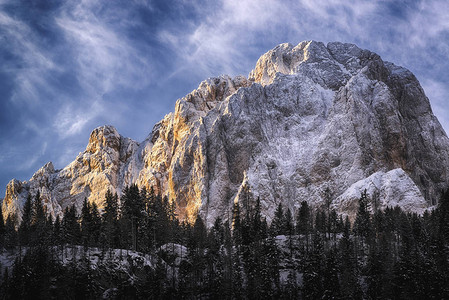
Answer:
(309, 118)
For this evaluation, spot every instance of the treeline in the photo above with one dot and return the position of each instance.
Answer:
(305, 254)
(142, 222)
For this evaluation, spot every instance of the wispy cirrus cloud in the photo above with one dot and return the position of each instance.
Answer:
(32, 60)
(230, 36)
(426, 21)
(66, 68)
(229, 29)
(72, 119)
(104, 58)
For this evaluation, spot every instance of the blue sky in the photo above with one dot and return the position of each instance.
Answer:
(70, 66)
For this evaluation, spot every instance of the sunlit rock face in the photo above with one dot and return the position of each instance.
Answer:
(177, 160)
(109, 161)
(311, 122)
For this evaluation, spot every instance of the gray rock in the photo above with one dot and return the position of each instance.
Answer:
(312, 122)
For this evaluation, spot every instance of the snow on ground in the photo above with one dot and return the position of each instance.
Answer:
(121, 259)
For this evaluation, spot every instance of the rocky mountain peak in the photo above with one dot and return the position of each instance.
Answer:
(103, 137)
(46, 170)
(310, 118)
(212, 91)
(209, 93)
(330, 66)
(14, 187)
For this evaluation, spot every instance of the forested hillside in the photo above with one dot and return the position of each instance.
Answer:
(301, 255)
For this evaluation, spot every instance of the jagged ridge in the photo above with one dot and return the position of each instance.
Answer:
(309, 118)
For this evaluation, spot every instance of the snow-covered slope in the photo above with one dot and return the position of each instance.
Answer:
(310, 118)
(390, 189)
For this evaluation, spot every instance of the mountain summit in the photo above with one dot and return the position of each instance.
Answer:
(311, 122)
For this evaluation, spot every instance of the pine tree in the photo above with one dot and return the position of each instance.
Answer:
(159, 218)
(320, 221)
(38, 223)
(375, 270)
(278, 223)
(86, 220)
(291, 287)
(362, 224)
(110, 227)
(314, 270)
(25, 225)
(438, 278)
(4, 286)
(133, 207)
(246, 230)
(215, 261)
(57, 232)
(10, 238)
(2, 221)
(2, 227)
(237, 276)
(439, 245)
(303, 221)
(95, 225)
(327, 215)
(148, 224)
(196, 257)
(350, 288)
(172, 221)
(199, 233)
(38, 215)
(257, 251)
(257, 230)
(443, 217)
(236, 225)
(70, 226)
(289, 226)
(269, 269)
(334, 226)
(331, 270)
(224, 238)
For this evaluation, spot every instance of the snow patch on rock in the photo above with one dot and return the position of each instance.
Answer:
(383, 189)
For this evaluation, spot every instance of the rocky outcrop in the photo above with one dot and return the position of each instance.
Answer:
(109, 161)
(312, 121)
(176, 157)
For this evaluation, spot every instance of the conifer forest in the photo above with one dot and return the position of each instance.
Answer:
(137, 248)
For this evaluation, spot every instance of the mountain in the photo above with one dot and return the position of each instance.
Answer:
(312, 122)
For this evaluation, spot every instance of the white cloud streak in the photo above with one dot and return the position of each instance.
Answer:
(104, 57)
(34, 60)
(72, 119)
(427, 22)
(221, 40)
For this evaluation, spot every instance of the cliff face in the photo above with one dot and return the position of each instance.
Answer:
(312, 122)
(109, 161)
